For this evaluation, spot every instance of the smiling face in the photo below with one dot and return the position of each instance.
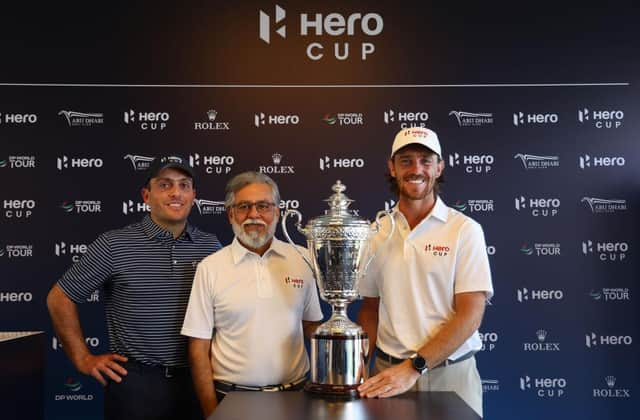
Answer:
(170, 196)
(253, 216)
(416, 169)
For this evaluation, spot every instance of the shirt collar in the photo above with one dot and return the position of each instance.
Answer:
(239, 252)
(153, 230)
(440, 211)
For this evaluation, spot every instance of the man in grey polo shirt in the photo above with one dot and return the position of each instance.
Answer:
(146, 270)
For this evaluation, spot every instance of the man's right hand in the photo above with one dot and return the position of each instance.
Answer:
(103, 364)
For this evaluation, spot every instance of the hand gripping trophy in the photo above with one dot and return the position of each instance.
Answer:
(339, 245)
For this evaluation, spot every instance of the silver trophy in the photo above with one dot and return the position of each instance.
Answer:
(338, 243)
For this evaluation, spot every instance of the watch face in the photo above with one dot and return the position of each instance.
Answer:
(419, 363)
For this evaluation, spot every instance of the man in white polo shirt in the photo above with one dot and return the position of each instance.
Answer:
(251, 303)
(425, 293)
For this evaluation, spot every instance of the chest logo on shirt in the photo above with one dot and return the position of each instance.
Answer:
(437, 250)
(296, 283)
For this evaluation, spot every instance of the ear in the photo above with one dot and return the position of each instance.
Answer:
(392, 170)
(440, 168)
(230, 215)
(144, 192)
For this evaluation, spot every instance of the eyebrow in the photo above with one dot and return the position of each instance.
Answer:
(164, 178)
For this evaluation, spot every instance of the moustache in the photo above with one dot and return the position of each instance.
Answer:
(254, 222)
(413, 178)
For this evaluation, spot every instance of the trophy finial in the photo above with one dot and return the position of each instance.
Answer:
(339, 187)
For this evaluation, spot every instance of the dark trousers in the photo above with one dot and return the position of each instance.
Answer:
(151, 393)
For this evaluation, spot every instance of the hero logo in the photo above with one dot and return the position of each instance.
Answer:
(489, 340)
(406, 119)
(212, 164)
(389, 205)
(525, 295)
(601, 119)
(539, 206)
(288, 205)
(17, 251)
(16, 297)
(18, 209)
(520, 118)
(147, 120)
(261, 119)
(75, 250)
(18, 118)
(328, 163)
(491, 250)
(593, 340)
(587, 161)
(19, 162)
(610, 391)
(65, 162)
(130, 207)
(90, 341)
(544, 387)
(479, 164)
(606, 251)
(333, 24)
(541, 344)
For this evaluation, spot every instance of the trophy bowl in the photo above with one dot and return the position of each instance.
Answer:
(339, 246)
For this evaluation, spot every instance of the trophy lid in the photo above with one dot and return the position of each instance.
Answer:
(338, 214)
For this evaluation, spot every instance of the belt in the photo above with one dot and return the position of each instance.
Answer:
(447, 362)
(224, 386)
(166, 371)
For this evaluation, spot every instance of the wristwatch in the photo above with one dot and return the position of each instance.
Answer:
(419, 363)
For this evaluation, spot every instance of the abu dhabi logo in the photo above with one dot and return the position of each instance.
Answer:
(520, 118)
(327, 163)
(140, 163)
(607, 294)
(489, 385)
(601, 119)
(82, 119)
(538, 162)
(406, 119)
(276, 168)
(260, 119)
(209, 208)
(472, 119)
(265, 24)
(604, 206)
(331, 25)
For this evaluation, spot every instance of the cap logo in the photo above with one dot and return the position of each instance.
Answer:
(171, 159)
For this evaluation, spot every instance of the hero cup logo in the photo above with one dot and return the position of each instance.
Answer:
(600, 118)
(333, 24)
(544, 387)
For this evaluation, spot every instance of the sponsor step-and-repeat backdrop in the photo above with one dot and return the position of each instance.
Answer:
(551, 172)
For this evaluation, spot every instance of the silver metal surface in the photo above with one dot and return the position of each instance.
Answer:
(339, 361)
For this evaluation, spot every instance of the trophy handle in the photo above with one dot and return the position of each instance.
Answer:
(379, 216)
(300, 229)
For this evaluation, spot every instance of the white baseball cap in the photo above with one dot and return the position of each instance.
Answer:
(417, 135)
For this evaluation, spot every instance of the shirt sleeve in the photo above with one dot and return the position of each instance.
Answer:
(90, 273)
(199, 320)
(473, 273)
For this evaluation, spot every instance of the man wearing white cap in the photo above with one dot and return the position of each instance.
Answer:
(425, 293)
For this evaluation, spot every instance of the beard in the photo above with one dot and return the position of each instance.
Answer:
(405, 190)
(254, 239)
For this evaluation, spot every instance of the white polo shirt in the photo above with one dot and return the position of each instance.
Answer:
(256, 305)
(417, 274)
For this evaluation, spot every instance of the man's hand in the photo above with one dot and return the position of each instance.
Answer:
(107, 364)
(393, 381)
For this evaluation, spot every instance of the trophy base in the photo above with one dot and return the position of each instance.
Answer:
(334, 392)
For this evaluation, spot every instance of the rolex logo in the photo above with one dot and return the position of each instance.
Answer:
(211, 114)
(541, 334)
(277, 158)
(610, 380)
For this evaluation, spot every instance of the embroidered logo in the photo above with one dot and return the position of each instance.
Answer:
(294, 282)
(437, 250)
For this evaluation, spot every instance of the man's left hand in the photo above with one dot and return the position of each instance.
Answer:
(392, 381)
